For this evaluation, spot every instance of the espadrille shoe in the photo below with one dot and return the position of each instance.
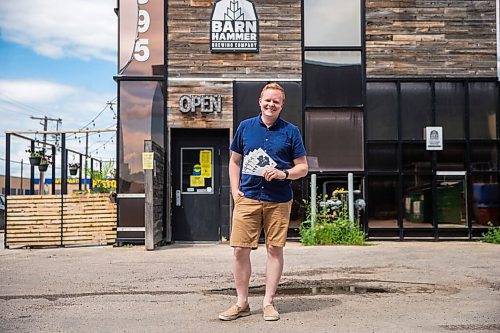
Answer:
(270, 313)
(235, 312)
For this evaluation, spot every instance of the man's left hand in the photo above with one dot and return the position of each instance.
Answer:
(273, 173)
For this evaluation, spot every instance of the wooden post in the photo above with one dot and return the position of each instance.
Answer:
(64, 165)
(148, 202)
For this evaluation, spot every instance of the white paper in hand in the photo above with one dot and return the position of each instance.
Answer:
(256, 162)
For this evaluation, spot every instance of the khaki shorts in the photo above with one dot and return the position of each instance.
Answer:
(251, 216)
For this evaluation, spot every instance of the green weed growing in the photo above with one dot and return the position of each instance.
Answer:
(492, 235)
(333, 226)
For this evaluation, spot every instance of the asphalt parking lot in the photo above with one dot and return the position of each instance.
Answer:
(383, 287)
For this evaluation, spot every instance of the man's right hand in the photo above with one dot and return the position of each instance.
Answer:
(237, 195)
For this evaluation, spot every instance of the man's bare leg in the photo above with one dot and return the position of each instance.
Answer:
(242, 269)
(274, 268)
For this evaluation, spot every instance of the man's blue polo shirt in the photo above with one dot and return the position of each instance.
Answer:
(282, 142)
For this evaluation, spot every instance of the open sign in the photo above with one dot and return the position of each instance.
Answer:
(204, 103)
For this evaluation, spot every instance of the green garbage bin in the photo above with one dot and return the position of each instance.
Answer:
(449, 204)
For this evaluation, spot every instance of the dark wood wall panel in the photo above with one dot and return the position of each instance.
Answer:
(177, 119)
(444, 38)
(279, 43)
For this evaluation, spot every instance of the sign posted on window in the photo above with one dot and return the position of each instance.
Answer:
(434, 138)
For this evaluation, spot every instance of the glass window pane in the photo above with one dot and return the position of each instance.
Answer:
(382, 157)
(416, 158)
(333, 78)
(197, 170)
(297, 207)
(335, 138)
(450, 202)
(450, 109)
(483, 107)
(131, 212)
(141, 118)
(485, 205)
(383, 201)
(416, 109)
(141, 38)
(332, 23)
(451, 158)
(417, 196)
(382, 110)
(334, 58)
(483, 157)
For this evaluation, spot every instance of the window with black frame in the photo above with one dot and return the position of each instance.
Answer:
(450, 109)
(333, 83)
(332, 23)
(483, 108)
(141, 118)
(333, 78)
(416, 109)
(453, 188)
(335, 137)
(383, 192)
(382, 110)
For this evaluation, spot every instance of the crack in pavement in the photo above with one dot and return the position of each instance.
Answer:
(55, 297)
(472, 327)
(389, 285)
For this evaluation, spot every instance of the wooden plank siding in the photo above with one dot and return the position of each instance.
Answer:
(279, 42)
(177, 119)
(35, 220)
(422, 38)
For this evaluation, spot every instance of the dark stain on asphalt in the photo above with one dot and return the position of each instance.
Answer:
(55, 297)
(472, 327)
(288, 288)
(309, 288)
(343, 287)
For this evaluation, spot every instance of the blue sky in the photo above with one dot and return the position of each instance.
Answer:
(58, 60)
(22, 62)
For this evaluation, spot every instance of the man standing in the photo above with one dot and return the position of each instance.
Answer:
(263, 201)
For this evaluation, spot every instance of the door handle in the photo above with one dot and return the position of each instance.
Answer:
(178, 198)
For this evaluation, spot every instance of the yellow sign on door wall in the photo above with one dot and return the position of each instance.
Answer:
(196, 181)
(147, 160)
(206, 163)
(206, 172)
(205, 156)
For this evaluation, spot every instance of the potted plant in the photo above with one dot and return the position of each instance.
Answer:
(73, 168)
(104, 181)
(35, 156)
(44, 163)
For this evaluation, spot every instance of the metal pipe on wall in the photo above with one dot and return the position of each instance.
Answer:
(350, 189)
(313, 201)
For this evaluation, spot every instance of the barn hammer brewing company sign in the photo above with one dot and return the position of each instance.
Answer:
(234, 27)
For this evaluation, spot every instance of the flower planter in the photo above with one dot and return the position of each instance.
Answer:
(34, 161)
(43, 167)
(73, 172)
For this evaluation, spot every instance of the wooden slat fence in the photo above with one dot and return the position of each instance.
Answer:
(36, 220)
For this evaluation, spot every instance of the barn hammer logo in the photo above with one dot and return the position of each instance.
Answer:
(234, 27)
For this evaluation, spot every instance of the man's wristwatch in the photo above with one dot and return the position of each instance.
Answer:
(286, 173)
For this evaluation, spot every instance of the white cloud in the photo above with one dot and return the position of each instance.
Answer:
(84, 29)
(35, 91)
(20, 99)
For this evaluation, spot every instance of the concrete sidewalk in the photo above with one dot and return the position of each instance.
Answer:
(384, 287)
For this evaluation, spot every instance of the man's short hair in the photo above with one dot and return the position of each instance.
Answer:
(274, 85)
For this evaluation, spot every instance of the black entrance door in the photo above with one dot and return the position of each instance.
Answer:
(200, 210)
